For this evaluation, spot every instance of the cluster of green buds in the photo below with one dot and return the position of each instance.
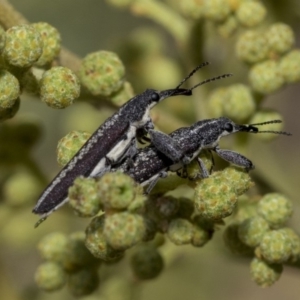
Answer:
(259, 229)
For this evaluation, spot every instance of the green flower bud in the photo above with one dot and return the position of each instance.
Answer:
(23, 46)
(83, 197)
(84, 282)
(96, 242)
(69, 145)
(266, 77)
(246, 209)
(8, 113)
(227, 28)
(166, 206)
(50, 276)
(295, 240)
(51, 40)
(146, 262)
(9, 90)
(216, 101)
(252, 47)
(102, 73)
(233, 242)
(275, 246)
(53, 247)
(200, 236)
(59, 87)
(239, 104)
(264, 116)
(275, 208)
(290, 66)
(264, 274)
(124, 230)
(123, 95)
(180, 231)
(252, 230)
(251, 13)
(21, 188)
(29, 81)
(280, 37)
(2, 38)
(216, 10)
(117, 190)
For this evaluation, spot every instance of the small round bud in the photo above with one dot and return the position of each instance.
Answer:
(280, 37)
(124, 230)
(252, 230)
(23, 46)
(166, 206)
(216, 10)
(9, 93)
(53, 247)
(252, 47)
(59, 87)
(21, 188)
(246, 209)
(123, 95)
(180, 231)
(234, 243)
(146, 262)
(50, 276)
(266, 77)
(117, 190)
(264, 274)
(96, 242)
(227, 28)
(295, 240)
(200, 236)
(216, 101)
(102, 73)
(239, 104)
(51, 40)
(83, 197)
(69, 145)
(290, 66)
(275, 208)
(251, 13)
(84, 282)
(275, 246)
(2, 38)
(264, 116)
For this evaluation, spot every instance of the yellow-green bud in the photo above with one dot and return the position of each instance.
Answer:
(266, 77)
(264, 274)
(146, 262)
(84, 282)
(252, 230)
(295, 240)
(9, 93)
(23, 46)
(116, 190)
(239, 104)
(252, 46)
(83, 197)
(280, 37)
(234, 243)
(246, 209)
(290, 66)
(50, 276)
(51, 40)
(102, 73)
(200, 236)
(69, 145)
(251, 13)
(227, 28)
(264, 116)
(216, 100)
(59, 87)
(216, 10)
(97, 244)
(124, 230)
(275, 246)
(275, 208)
(122, 95)
(21, 188)
(180, 231)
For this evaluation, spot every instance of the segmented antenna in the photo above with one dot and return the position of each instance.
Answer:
(270, 131)
(192, 73)
(211, 79)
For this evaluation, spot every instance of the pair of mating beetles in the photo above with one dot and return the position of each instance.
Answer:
(114, 146)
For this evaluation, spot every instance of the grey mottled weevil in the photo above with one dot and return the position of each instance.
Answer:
(150, 164)
(114, 141)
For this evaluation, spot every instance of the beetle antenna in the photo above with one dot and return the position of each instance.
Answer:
(211, 79)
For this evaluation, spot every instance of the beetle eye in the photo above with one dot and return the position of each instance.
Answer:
(228, 127)
(155, 97)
